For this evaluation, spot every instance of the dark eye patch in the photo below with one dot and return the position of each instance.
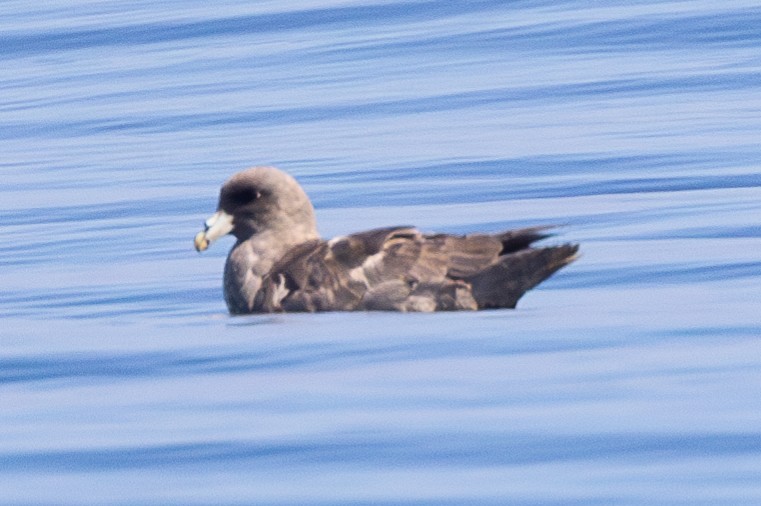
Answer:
(243, 196)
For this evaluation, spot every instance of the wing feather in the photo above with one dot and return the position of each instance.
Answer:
(399, 268)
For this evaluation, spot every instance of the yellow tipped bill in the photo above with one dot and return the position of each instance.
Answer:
(218, 224)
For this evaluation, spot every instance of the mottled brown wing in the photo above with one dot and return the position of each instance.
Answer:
(310, 280)
(473, 253)
(470, 254)
(403, 270)
(336, 275)
(407, 273)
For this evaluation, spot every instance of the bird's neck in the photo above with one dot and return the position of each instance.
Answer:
(251, 259)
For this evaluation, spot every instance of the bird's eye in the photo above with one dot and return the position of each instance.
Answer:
(244, 196)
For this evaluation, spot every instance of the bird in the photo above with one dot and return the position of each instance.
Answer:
(279, 262)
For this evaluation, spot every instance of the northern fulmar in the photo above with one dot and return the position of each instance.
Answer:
(280, 263)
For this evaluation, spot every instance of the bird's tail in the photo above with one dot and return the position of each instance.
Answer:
(503, 283)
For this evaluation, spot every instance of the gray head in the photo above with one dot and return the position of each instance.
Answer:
(257, 201)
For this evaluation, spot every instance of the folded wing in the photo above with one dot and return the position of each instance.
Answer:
(402, 269)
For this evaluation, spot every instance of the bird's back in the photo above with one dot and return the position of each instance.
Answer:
(401, 269)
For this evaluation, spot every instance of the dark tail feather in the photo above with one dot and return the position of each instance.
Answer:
(516, 240)
(502, 284)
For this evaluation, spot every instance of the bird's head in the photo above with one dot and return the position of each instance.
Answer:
(257, 201)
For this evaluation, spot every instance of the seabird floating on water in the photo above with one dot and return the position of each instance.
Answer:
(280, 263)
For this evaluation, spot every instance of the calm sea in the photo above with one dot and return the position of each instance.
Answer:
(633, 377)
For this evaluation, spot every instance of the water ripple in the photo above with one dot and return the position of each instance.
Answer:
(441, 450)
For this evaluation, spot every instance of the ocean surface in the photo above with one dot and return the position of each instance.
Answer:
(632, 377)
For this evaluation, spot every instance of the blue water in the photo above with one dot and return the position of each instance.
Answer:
(631, 377)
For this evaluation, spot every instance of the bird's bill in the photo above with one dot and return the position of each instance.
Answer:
(218, 224)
